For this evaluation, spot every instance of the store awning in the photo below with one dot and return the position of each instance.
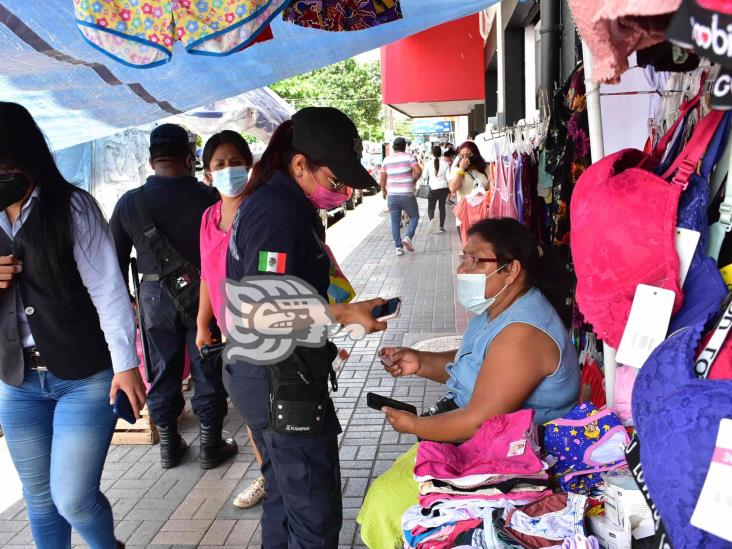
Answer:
(78, 94)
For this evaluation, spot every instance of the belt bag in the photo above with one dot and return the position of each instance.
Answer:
(179, 279)
(298, 391)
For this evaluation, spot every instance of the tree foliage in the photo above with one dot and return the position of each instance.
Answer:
(354, 88)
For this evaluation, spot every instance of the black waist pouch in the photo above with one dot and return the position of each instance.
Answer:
(298, 391)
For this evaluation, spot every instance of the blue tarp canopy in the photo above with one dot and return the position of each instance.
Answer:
(78, 94)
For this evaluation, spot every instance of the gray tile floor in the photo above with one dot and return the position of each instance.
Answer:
(187, 507)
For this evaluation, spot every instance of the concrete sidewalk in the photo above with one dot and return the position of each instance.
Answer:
(187, 507)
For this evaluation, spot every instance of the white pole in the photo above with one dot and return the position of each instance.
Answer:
(597, 149)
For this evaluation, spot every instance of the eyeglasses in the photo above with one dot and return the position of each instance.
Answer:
(472, 262)
(335, 185)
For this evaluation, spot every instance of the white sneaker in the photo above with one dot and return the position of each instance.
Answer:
(399, 251)
(408, 243)
(252, 495)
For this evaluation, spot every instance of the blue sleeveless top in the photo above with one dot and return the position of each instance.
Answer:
(557, 393)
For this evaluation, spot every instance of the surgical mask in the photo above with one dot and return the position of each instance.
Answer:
(231, 181)
(13, 187)
(471, 291)
(326, 199)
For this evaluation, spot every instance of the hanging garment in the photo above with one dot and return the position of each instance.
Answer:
(518, 190)
(503, 202)
(619, 242)
(469, 211)
(614, 30)
(141, 33)
(667, 57)
(342, 15)
(677, 417)
(593, 378)
(623, 394)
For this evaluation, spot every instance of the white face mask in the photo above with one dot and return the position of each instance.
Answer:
(471, 291)
(231, 181)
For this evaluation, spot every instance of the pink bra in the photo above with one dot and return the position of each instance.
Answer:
(623, 225)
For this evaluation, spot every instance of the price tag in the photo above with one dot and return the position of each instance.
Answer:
(686, 243)
(647, 324)
(714, 507)
(517, 448)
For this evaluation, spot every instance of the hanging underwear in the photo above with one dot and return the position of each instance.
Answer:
(141, 33)
(340, 15)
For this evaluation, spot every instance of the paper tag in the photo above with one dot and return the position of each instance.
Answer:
(686, 243)
(647, 324)
(517, 448)
(714, 507)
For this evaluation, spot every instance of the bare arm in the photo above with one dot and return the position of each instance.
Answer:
(382, 182)
(416, 172)
(517, 361)
(205, 315)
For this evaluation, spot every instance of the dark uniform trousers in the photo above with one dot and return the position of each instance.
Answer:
(167, 340)
(302, 505)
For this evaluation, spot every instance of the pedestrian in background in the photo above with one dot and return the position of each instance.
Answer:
(436, 177)
(227, 160)
(175, 202)
(68, 342)
(399, 173)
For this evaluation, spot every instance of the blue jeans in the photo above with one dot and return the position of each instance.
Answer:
(58, 433)
(397, 203)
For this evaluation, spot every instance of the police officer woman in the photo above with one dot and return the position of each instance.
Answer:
(67, 339)
(308, 164)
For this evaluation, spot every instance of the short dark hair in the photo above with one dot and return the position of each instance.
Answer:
(400, 144)
(226, 137)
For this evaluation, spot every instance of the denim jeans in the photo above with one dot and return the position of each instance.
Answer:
(397, 203)
(168, 339)
(58, 433)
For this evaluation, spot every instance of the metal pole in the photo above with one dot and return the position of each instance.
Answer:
(551, 35)
(597, 149)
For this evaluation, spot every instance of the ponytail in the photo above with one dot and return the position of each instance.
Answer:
(437, 152)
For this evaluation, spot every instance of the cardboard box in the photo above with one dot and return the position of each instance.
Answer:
(626, 507)
(609, 535)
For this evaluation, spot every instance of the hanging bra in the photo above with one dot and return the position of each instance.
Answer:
(619, 241)
(141, 33)
(677, 417)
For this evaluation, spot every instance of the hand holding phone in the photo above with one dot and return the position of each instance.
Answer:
(377, 402)
(388, 310)
(123, 409)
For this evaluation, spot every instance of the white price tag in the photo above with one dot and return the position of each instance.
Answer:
(517, 448)
(686, 243)
(714, 507)
(647, 324)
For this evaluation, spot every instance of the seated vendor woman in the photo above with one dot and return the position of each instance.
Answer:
(515, 354)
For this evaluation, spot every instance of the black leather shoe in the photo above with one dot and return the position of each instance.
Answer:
(172, 446)
(214, 449)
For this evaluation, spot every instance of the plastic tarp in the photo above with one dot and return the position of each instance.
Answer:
(78, 94)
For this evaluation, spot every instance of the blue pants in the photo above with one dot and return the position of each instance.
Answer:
(167, 341)
(396, 204)
(302, 508)
(58, 434)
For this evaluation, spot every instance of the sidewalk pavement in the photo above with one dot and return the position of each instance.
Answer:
(186, 507)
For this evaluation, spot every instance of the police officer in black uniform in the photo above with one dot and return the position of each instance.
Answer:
(308, 165)
(175, 203)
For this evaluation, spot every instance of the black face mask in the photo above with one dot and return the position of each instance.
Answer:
(13, 187)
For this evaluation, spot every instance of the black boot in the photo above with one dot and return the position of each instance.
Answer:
(214, 449)
(172, 446)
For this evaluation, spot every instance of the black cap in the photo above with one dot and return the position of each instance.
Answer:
(169, 140)
(330, 137)
(400, 143)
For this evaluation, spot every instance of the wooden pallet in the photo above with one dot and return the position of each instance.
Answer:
(143, 431)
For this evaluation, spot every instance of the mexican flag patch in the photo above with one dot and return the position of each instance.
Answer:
(272, 262)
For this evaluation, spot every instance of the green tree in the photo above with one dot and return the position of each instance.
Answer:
(404, 129)
(349, 86)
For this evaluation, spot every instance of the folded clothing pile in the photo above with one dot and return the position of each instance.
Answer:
(460, 486)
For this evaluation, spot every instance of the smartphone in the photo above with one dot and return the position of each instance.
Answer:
(122, 408)
(388, 310)
(377, 402)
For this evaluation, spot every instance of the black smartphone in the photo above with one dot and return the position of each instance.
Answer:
(377, 402)
(122, 408)
(388, 310)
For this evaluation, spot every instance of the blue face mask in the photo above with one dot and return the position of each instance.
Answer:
(471, 292)
(231, 181)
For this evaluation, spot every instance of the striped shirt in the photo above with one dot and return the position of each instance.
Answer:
(398, 170)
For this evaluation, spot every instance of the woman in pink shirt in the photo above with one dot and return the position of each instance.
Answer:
(226, 163)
